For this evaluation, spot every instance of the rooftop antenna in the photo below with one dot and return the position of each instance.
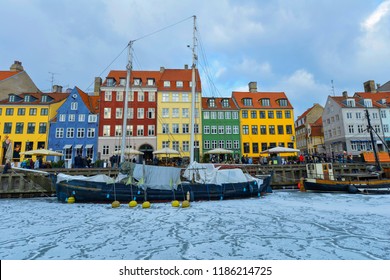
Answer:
(331, 81)
(52, 78)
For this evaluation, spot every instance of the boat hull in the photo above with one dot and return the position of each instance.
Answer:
(100, 192)
(369, 187)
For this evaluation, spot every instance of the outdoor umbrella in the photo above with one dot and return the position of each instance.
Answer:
(279, 150)
(219, 151)
(42, 152)
(129, 151)
(166, 152)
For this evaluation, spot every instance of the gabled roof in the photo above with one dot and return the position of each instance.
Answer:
(6, 74)
(340, 100)
(385, 87)
(54, 98)
(174, 75)
(376, 97)
(257, 96)
(218, 103)
(135, 74)
(91, 101)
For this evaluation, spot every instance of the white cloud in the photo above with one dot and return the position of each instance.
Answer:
(374, 19)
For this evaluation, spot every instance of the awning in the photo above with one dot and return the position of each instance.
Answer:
(89, 146)
(67, 146)
(78, 146)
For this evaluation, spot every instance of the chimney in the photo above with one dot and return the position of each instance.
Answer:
(17, 66)
(186, 66)
(57, 88)
(162, 69)
(98, 84)
(369, 86)
(345, 94)
(252, 87)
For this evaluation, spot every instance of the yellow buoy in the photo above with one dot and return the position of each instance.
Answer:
(71, 199)
(185, 204)
(115, 204)
(146, 204)
(175, 203)
(133, 203)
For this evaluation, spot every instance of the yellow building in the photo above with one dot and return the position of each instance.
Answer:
(25, 121)
(174, 111)
(266, 120)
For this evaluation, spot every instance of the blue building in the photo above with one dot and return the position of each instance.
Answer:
(74, 131)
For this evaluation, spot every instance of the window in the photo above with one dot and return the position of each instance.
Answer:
(165, 128)
(254, 114)
(196, 128)
(186, 128)
(179, 84)
(175, 97)
(19, 128)
(213, 129)
(60, 132)
(220, 115)
(228, 129)
(271, 129)
(358, 115)
(360, 128)
(221, 129)
(255, 148)
(106, 150)
(287, 114)
(225, 103)
(21, 111)
(137, 82)
(185, 113)
(263, 130)
(92, 118)
(262, 114)
(130, 113)
(206, 129)
(175, 112)
(265, 102)
(140, 113)
(229, 144)
(106, 130)
(151, 130)
(270, 114)
(246, 148)
(80, 132)
(118, 113)
(140, 130)
(141, 96)
(165, 144)
(150, 82)
(213, 144)
(167, 83)
(110, 82)
(107, 113)
(280, 130)
(90, 133)
(288, 129)
(244, 114)
(7, 127)
(377, 128)
(71, 117)
(151, 113)
(31, 128)
(279, 115)
(247, 101)
(185, 97)
(206, 115)
(122, 82)
(73, 106)
(151, 96)
(118, 130)
(10, 112)
(108, 96)
(235, 115)
(207, 144)
(236, 129)
(186, 146)
(175, 145)
(221, 144)
(130, 96)
(175, 128)
(82, 118)
(165, 112)
(254, 129)
(245, 129)
(70, 132)
(283, 102)
(383, 114)
(213, 115)
(386, 128)
(228, 115)
(129, 130)
(165, 97)
(42, 128)
(119, 96)
(211, 102)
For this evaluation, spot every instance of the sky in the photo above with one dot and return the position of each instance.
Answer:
(307, 49)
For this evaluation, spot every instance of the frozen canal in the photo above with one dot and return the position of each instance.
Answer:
(285, 225)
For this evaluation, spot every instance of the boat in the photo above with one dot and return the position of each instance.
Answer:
(140, 182)
(321, 177)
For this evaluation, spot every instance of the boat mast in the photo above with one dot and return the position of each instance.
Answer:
(129, 67)
(193, 93)
(378, 166)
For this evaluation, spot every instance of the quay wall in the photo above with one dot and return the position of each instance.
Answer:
(19, 183)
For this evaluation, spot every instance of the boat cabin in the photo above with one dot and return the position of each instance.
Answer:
(320, 171)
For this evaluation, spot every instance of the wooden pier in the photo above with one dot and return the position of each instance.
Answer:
(20, 183)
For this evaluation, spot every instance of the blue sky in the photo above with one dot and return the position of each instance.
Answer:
(295, 46)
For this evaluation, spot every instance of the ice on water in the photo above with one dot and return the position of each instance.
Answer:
(285, 225)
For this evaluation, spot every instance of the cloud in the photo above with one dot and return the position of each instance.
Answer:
(374, 19)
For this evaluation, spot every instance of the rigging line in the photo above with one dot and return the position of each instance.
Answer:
(166, 27)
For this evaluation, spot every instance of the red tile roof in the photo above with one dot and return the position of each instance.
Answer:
(143, 75)
(6, 74)
(57, 97)
(256, 99)
(218, 104)
(91, 101)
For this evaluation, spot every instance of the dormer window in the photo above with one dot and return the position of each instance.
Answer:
(137, 82)
(167, 83)
(44, 98)
(247, 101)
(122, 82)
(110, 82)
(211, 102)
(179, 84)
(367, 103)
(283, 102)
(351, 102)
(12, 98)
(27, 98)
(265, 102)
(150, 82)
(225, 103)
